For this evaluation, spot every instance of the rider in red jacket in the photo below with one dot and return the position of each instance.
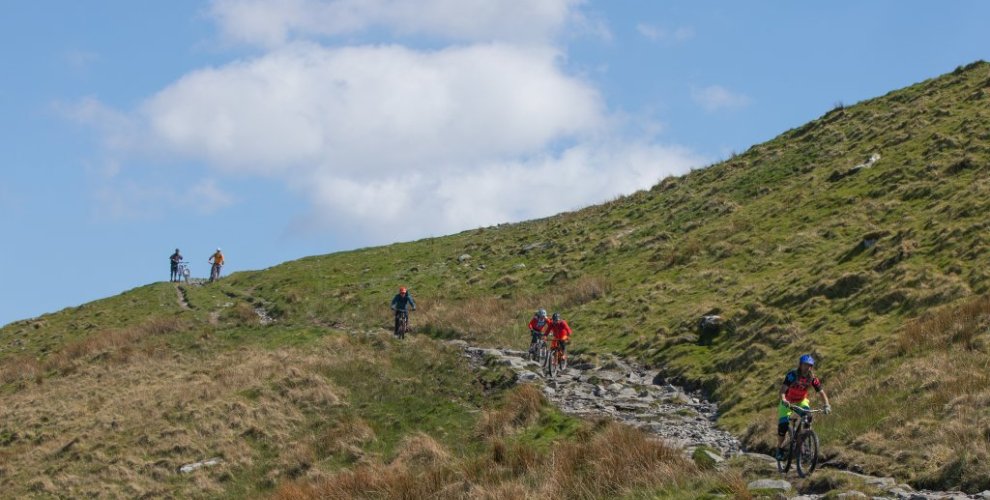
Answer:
(538, 326)
(561, 333)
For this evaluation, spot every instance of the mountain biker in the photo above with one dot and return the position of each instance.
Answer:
(538, 326)
(174, 264)
(795, 392)
(561, 332)
(400, 304)
(217, 260)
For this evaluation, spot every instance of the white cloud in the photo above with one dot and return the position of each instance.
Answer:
(660, 34)
(368, 111)
(267, 23)
(482, 195)
(715, 98)
(118, 128)
(385, 141)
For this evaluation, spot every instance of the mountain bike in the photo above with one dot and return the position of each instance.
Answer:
(801, 445)
(401, 323)
(183, 271)
(215, 272)
(538, 350)
(555, 362)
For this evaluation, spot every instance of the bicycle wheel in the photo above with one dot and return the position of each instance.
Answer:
(807, 456)
(548, 365)
(784, 461)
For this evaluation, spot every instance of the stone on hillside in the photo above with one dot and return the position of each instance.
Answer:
(464, 257)
(880, 482)
(759, 456)
(714, 456)
(519, 266)
(615, 388)
(534, 246)
(852, 494)
(985, 495)
(185, 469)
(628, 392)
(769, 484)
(527, 376)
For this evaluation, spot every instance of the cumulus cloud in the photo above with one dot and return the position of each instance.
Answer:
(494, 192)
(266, 23)
(716, 98)
(385, 141)
(660, 34)
(372, 110)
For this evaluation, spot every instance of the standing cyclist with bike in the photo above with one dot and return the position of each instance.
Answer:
(795, 392)
(217, 261)
(400, 305)
(174, 264)
(538, 327)
(561, 333)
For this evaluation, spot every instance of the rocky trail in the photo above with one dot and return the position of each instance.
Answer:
(616, 389)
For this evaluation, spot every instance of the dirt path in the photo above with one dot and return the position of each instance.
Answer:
(181, 297)
(621, 391)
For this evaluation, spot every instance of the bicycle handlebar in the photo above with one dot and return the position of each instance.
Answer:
(803, 410)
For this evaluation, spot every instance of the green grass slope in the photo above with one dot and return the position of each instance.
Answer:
(879, 268)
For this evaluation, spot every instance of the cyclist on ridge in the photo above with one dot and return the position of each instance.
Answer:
(174, 264)
(217, 260)
(538, 326)
(400, 304)
(561, 333)
(795, 392)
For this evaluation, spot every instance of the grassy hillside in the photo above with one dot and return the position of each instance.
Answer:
(292, 410)
(877, 267)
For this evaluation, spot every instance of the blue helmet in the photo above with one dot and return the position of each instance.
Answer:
(807, 360)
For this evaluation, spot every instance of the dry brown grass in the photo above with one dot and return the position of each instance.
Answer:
(521, 408)
(485, 317)
(934, 402)
(114, 346)
(967, 325)
(615, 461)
(81, 435)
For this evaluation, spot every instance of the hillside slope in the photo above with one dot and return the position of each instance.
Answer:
(859, 237)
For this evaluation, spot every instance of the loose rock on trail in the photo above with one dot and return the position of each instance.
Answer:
(623, 392)
(619, 390)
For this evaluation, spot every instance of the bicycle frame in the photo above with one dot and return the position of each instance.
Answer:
(802, 439)
(403, 317)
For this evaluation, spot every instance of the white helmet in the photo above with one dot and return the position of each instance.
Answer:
(218, 249)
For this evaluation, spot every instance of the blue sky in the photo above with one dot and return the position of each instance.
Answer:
(278, 130)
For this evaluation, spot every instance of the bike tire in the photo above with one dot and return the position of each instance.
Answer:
(784, 463)
(548, 365)
(807, 456)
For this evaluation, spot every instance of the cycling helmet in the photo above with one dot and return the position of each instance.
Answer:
(556, 316)
(542, 313)
(807, 360)
(402, 289)
(218, 249)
